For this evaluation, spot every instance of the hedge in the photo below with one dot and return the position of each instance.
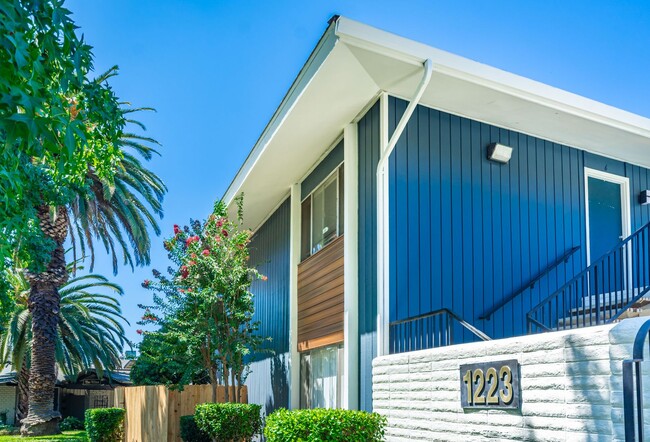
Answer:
(319, 424)
(71, 423)
(190, 432)
(229, 422)
(105, 424)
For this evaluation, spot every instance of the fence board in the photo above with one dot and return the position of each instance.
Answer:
(153, 412)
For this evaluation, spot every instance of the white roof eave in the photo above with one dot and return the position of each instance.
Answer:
(408, 51)
(367, 60)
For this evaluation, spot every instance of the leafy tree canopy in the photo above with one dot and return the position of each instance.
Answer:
(55, 122)
(164, 361)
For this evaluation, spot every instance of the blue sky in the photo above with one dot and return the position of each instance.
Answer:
(216, 71)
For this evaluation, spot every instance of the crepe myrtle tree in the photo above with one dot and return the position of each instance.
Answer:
(205, 303)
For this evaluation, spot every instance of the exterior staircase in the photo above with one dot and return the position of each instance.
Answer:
(614, 287)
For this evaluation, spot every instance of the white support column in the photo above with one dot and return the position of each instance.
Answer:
(350, 399)
(382, 235)
(294, 260)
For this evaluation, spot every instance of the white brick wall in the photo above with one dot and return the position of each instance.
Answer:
(571, 386)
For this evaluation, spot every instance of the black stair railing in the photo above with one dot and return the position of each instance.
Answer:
(561, 260)
(601, 292)
(633, 388)
(434, 329)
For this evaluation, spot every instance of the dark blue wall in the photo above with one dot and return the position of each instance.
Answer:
(269, 253)
(368, 159)
(466, 232)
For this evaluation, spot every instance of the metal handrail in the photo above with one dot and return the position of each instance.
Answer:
(623, 249)
(563, 259)
(449, 315)
(632, 389)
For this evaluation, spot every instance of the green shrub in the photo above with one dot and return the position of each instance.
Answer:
(332, 425)
(105, 424)
(8, 430)
(71, 423)
(190, 432)
(229, 422)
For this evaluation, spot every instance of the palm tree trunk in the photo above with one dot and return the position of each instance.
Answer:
(23, 392)
(43, 305)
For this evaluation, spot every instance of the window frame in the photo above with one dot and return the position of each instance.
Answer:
(337, 173)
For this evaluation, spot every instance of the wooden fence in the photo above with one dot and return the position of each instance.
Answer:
(153, 412)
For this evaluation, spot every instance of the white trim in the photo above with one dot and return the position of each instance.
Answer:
(626, 219)
(294, 259)
(350, 396)
(382, 238)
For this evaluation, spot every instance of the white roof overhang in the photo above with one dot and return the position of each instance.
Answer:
(353, 62)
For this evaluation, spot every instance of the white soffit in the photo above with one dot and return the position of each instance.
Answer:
(333, 97)
(474, 90)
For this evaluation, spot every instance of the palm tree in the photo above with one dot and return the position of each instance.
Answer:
(90, 330)
(118, 213)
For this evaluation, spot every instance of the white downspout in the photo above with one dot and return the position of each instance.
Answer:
(382, 213)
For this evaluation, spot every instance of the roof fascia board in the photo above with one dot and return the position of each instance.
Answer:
(412, 52)
(325, 45)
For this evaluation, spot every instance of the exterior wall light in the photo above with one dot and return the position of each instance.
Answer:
(644, 197)
(499, 153)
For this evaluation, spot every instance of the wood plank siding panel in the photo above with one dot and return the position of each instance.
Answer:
(466, 232)
(320, 298)
(269, 254)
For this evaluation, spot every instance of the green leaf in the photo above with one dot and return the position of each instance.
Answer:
(69, 140)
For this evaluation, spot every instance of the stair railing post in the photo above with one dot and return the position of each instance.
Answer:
(628, 400)
(597, 295)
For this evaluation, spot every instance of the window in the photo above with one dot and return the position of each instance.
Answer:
(321, 374)
(322, 214)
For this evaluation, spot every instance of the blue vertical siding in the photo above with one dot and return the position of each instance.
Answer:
(268, 383)
(466, 232)
(368, 159)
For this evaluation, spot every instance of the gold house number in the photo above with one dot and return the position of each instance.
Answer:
(492, 384)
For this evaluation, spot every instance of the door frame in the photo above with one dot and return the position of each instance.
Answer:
(626, 218)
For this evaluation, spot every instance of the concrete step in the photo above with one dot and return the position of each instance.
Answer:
(618, 297)
(579, 321)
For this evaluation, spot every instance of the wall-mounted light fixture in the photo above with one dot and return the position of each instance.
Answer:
(644, 197)
(499, 153)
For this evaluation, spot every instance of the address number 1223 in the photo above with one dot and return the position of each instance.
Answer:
(489, 387)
